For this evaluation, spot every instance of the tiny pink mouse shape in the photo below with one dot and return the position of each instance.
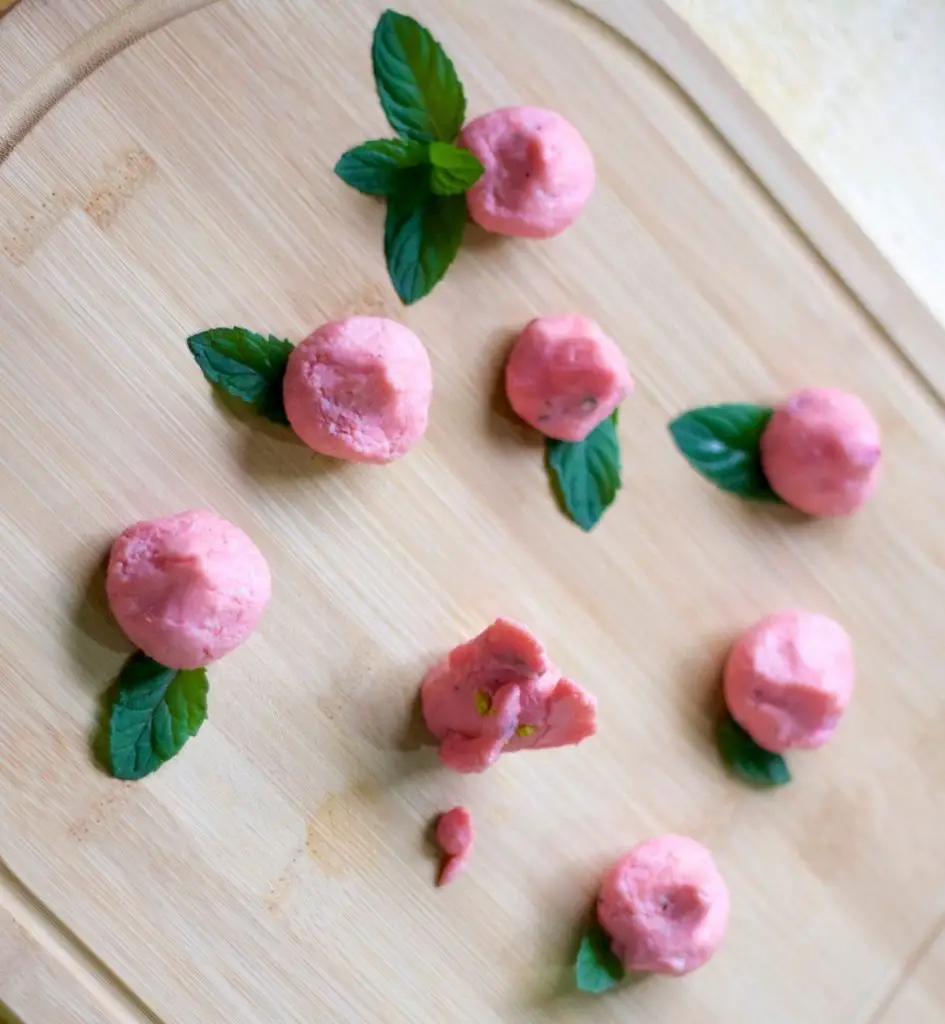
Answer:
(455, 835)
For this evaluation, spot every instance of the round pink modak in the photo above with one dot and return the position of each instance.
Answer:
(187, 589)
(539, 171)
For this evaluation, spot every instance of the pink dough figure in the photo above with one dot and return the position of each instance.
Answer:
(500, 693)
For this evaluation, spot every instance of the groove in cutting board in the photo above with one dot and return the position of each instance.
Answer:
(24, 910)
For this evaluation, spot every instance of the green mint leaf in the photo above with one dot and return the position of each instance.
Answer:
(244, 365)
(586, 474)
(374, 168)
(156, 712)
(416, 82)
(422, 234)
(454, 169)
(596, 968)
(722, 443)
(746, 759)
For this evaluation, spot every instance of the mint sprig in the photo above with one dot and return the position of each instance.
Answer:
(746, 759)
(422, 174)
(246, 366)
(597, 968)
(586, 474)
(157, 710)
(723, 444)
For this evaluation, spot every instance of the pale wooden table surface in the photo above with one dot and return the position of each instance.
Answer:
(315, 902)
(856, 86)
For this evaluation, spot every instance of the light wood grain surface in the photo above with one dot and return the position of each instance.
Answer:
(855, 86)
(277, 870)
(858, 88)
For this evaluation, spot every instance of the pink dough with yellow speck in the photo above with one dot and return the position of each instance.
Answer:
(789, 679)
(455, 835)
(565, 375)
(500, 693)
(359, 389)
(665, 906)
(187, 589)
(821, 452)
(539, 171)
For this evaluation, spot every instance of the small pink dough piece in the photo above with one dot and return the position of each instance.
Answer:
(359, 389)
(564, 376)
(665, 906)
(539, 171)
(187, 589)
(789, 679)
(499, 692)
(821, 452)
(455, 835)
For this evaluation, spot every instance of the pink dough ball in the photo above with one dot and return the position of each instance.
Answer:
(359, 389)
(789, 678)
(187, 589)
(665, 906)
(564, 376)
(821, 452)
(539, 171)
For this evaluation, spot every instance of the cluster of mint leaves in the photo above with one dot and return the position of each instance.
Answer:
(422, 174)
(155, 711)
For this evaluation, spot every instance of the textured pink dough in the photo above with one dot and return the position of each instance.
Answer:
(187, 589)
(539, 172)
(789, 679)
(359, 389)
(665, 906)
(564, 376)
(455, 835)
(499, 692)
(821, 452)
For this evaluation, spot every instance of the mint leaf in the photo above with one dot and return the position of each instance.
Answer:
(422, 234)
(417, 85)
(244, 365)
(454, 169)
(596, 968)
(374, 168)
(156, 711)
(722, 443)
(746, 759)
(586, 474)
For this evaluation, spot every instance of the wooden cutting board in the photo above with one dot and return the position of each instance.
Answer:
(278, 870)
